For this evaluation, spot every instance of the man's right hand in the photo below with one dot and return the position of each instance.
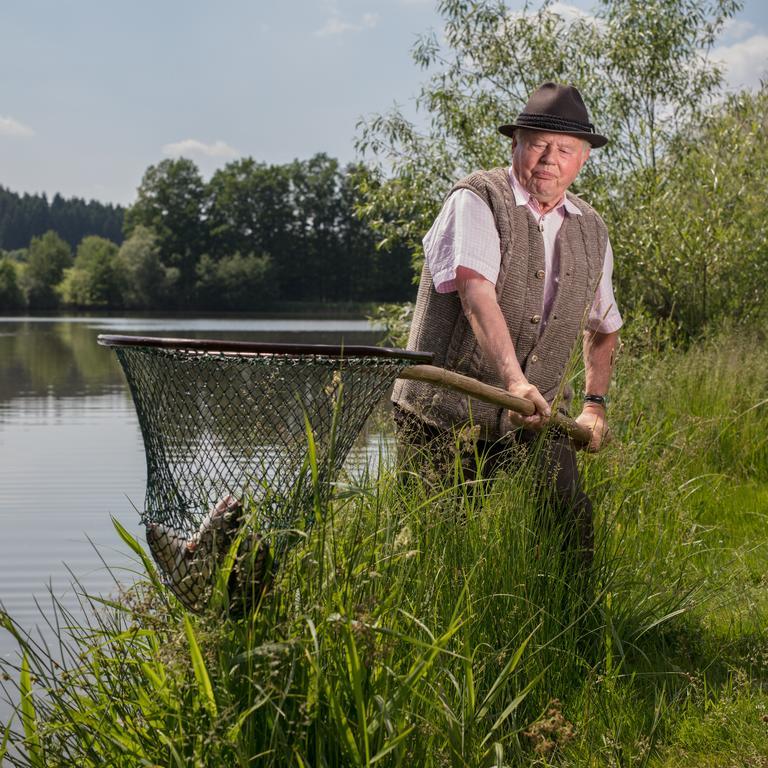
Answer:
(525, 390)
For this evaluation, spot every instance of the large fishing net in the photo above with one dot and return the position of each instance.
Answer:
(242, 442)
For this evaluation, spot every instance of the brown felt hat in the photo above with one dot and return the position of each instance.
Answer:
(555, 108)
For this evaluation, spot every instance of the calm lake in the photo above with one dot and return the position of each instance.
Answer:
(71, 453)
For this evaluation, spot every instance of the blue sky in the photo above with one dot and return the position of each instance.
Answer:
(94, 91)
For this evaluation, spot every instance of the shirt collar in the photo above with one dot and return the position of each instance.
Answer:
(523, 196)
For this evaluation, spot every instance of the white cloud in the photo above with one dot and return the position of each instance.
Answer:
(11, 127)
(745, 63)
(571, 12)
(193, 147)
(736, 29)
(335, 25)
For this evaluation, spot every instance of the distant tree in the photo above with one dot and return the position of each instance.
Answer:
(91, 281)
(250, 209)
(366, 270)
(47, 258)
(234, 283)
(18, 255)
(292, 226)
(142, 280)
(25, 216)
(303, 215)
(11, 297)
(172, 201)
(311, 270)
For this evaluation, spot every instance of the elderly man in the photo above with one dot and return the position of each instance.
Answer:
(517, 270)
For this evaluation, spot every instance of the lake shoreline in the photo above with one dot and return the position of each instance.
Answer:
(293, 310)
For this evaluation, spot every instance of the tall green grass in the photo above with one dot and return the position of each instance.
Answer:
(445, 626)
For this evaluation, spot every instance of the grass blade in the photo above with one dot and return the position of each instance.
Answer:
(6, 737)
(502, 677)
(391, 744)
(512, 706)
(356, 674)
(28, 716)
(134, 545)
(201, 673)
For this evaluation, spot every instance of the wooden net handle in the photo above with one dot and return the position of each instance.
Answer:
(490, 394)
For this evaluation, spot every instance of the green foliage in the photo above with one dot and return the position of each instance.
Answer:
(234, 282)
(143, 281)
(252, 237)
(47, 258)
(92, 280)
(250, 209)
(691, 236)
(396, 321)
(259, 232)
(171, 201)
(11, 296)
(654, 78)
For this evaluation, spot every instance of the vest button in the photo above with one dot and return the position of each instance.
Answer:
(540, 274)
(536, 319)
(534, 358)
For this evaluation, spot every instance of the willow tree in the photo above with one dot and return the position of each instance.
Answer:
(696, 245)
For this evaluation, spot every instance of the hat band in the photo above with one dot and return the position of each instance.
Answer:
(553, 123)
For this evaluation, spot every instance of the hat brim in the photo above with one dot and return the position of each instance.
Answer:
(594, 139)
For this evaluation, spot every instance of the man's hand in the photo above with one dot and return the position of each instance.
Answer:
(593, 417)
(525, 390)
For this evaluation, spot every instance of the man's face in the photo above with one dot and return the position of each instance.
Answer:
(547, 163)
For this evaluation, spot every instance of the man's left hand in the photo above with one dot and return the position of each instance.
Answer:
(593, 418)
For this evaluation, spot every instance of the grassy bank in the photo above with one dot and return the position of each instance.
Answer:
(446, 627)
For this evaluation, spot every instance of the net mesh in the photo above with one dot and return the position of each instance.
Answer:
(227, 437)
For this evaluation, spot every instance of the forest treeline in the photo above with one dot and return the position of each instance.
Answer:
(250, 238)
(23, 217)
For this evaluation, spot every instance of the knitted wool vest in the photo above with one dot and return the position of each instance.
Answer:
(440, 326)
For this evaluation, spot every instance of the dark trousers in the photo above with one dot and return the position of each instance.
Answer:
(432, 454)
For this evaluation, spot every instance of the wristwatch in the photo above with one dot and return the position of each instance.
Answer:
(597, 399)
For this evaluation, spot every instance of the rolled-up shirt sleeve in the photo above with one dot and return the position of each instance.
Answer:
(463, 235)
(604, 317)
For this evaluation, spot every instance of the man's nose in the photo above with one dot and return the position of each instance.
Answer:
(548, 156)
